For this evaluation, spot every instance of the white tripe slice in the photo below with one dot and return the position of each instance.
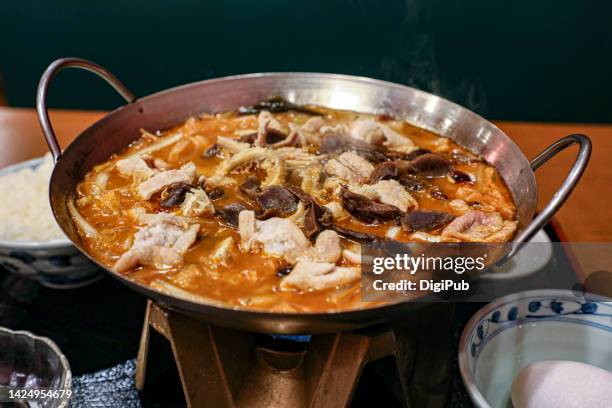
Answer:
(197, 203)
(392, 232)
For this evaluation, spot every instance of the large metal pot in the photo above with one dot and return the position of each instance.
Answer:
(170, 107)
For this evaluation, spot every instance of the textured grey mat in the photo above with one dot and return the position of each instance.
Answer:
(113, 387)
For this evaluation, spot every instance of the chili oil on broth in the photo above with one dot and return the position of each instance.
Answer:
(251, 279)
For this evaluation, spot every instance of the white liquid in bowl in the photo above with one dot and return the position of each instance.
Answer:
(504, 356)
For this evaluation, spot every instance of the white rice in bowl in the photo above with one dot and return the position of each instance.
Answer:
(25, 213)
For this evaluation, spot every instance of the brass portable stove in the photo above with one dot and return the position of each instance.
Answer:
(220, 367)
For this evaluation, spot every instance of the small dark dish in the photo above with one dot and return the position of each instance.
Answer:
(31, 362)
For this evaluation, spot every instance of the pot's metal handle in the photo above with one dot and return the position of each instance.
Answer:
(582, 159)
(41, 95)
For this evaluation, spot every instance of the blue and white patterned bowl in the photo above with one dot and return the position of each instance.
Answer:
(57, 264)
(526, 327)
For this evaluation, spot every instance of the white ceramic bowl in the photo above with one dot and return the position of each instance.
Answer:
(526, 327)
(57, 264)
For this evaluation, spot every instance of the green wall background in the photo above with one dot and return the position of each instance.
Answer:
(525, 60)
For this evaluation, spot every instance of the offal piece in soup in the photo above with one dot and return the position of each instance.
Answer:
(266, 207)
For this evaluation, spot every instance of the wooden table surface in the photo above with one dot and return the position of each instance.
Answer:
(584, 218)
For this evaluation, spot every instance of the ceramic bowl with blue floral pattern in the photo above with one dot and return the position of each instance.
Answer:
(522, 328)
(56, 264)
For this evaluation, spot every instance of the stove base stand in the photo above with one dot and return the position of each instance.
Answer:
(221, 367)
